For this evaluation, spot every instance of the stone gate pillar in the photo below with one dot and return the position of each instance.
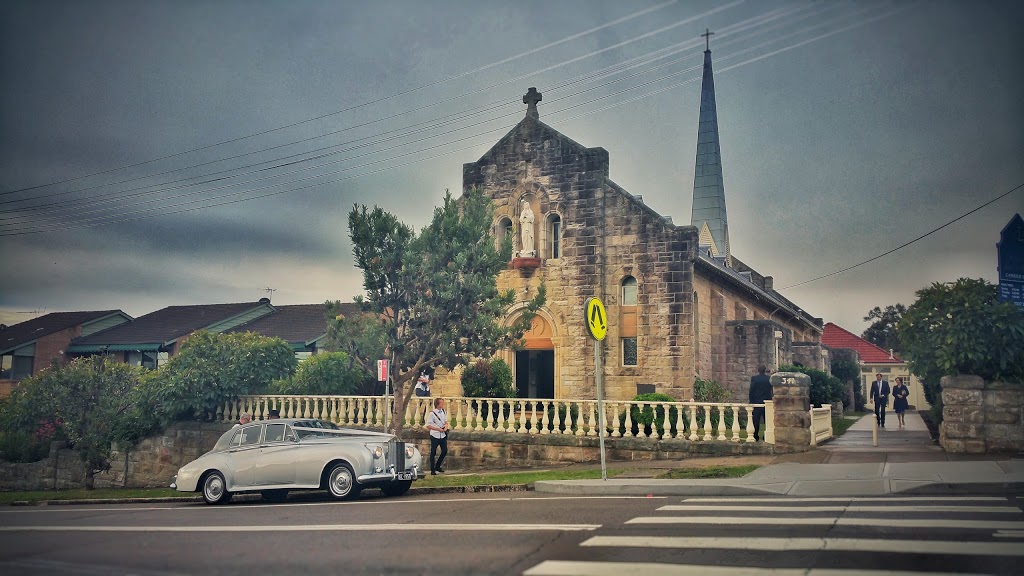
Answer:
(791, 394)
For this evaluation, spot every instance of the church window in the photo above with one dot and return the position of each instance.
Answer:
(504, 230)
(554, 230)
(629, 351)
(629, 291)
(628, 321)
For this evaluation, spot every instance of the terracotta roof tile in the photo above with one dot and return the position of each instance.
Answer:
(835, 337)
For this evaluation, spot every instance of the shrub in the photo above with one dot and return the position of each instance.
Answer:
(16, 446)
(711, 391)
(488, 379)
(212, 369)
(848, 372)
(649, 416)
(90, 401)
(323, 373)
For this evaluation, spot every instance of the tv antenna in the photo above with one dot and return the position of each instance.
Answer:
(270, 292)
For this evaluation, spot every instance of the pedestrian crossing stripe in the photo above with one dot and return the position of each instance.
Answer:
(780, 499)
(848, 508)
(583, 568)
(813, 545)
(833, 521)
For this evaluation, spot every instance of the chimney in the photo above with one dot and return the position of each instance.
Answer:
(769, 284)
(891, 357)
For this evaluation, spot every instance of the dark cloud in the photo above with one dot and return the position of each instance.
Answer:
(833, 152)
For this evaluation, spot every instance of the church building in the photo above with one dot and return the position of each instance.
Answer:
(681, 305)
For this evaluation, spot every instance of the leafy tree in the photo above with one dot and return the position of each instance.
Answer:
(323, 373)
(90, 401)
(431, 298)
(962, 328)
(848, 372)
(882, 331)
(212, 369)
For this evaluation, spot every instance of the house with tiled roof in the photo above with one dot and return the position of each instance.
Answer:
(875, 360)
(28, 347)
(151, 339)
(303, 326)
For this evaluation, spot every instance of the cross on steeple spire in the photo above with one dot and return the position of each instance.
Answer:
(707, 38)
(530, 99)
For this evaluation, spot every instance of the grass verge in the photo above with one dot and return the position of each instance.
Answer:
(708, 472)
(841, 425)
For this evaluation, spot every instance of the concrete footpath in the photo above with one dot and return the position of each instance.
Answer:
(905, 461)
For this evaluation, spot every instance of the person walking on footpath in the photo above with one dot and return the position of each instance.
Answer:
(437, 423)
(880, 397)
(760, 391)
(899, 400)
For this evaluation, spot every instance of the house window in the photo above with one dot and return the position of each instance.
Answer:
(629, 351)
(16, 367)
(147, 360)
(303, 355)
(555, 236)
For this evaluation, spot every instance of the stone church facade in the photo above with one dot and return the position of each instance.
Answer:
(678, 307)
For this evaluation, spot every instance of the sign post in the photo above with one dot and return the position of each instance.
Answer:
(383, 375)
(596, 320)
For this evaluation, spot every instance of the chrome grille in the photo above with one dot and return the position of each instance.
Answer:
(396, 455)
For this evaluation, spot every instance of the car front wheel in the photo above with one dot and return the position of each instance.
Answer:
(396, 488)
(341, 482)
(215, 491)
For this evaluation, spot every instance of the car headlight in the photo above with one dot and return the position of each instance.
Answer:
(377, 451)
(409, 450)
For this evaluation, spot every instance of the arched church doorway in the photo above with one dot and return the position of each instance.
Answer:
(535, 364)
(535, 373)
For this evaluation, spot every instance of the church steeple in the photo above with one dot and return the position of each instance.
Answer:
(708, 188)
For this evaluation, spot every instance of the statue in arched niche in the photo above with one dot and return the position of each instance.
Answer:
(526, 231)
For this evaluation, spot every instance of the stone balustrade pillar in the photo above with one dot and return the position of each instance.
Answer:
(791, 396)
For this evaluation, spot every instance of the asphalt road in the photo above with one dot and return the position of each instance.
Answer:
(519, 533)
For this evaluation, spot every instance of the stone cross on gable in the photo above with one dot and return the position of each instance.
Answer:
(530, 99)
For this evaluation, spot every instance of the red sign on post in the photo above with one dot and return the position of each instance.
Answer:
(382, 370)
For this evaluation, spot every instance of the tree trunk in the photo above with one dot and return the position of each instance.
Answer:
(90, 478)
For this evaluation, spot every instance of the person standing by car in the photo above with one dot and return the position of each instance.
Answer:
(760, 391)
(437, 423)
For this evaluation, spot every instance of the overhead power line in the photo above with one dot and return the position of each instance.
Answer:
(375, 101)
(772, 15)
(121, 195)
(902, 246)
(143, 214)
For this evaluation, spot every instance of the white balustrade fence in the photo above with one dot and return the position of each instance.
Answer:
(694, 421)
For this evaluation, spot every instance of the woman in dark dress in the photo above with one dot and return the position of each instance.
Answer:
(899, 403)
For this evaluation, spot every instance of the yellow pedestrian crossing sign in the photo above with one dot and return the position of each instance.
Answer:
(596, 318)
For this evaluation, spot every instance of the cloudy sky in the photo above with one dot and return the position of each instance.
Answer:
(162, 153)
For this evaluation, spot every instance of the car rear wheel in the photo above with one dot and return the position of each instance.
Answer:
(341, 482)
(215, 491)
(396, 488)
(274, 495)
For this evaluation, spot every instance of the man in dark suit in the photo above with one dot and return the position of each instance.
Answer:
(760, 390)
(880, 396)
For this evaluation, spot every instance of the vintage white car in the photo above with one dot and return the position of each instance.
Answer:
(275, 456)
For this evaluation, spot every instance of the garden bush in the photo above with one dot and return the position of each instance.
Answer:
(323, 373)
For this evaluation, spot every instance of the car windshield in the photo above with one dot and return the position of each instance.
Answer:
(312, 428)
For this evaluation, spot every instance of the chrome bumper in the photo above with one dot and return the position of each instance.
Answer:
(390, 476)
